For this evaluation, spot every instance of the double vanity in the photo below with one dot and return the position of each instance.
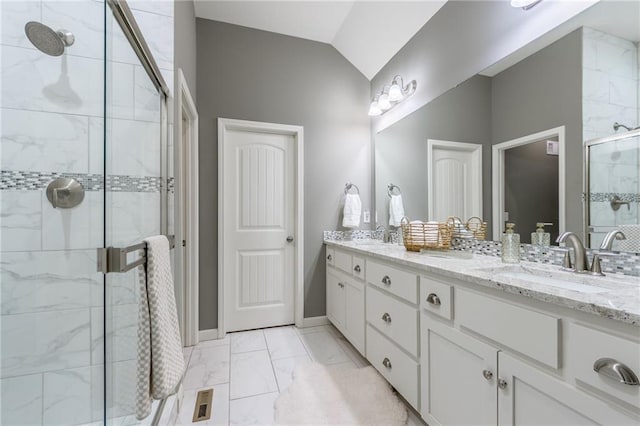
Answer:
(466, 339)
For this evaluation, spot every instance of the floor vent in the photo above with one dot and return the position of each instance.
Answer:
(202, 410)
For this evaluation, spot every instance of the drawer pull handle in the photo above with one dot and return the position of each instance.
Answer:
(616, 370)
(386, 363)
(357, 269)
(386, 280)
(502, 383)
(433, 299)
(487, 374)
(386, 318)
(329, 258)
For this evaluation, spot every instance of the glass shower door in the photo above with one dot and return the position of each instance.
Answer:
(133, 205)
(51, 126)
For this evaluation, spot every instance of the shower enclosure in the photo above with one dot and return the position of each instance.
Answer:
(83, 99)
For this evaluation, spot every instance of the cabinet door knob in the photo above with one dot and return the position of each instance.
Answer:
(616, 370)
(386, 363)
(290, 239)
(433, 299)
(386, 280)
(329, 258)
(386, 318)
(502, 383)
(487, 374)
(357, 269)
(340, 285)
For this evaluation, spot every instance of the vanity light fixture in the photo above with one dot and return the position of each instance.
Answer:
(392, 95)
(524, 4)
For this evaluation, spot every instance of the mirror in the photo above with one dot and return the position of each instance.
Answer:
(529, 120)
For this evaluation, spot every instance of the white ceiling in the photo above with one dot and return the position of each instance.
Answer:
(367, 33)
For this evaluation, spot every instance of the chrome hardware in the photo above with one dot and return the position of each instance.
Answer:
(616, 370)
(596, 267)
(616, 202)
(65, 193)
(578, 250)
(502, 383)
(329, 258)
(607, 241)
(386, 280)
(357, 269)
(289, 239)
(433, 299)
(487, 374)
(566, 261)
(386, 363)
(386, 318)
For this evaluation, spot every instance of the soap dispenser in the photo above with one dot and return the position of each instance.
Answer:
(541, 238)
(510, 245)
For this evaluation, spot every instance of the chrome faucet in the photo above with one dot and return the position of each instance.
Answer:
(607, 242)
(581, 262)
(386, 237)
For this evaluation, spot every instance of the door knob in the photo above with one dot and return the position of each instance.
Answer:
(289, 239)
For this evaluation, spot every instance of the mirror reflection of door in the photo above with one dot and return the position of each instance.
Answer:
(531, 187)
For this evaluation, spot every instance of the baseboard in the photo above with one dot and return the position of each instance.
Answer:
(211, 334)
(315, 321)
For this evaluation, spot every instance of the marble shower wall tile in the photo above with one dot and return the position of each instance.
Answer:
(132, 216)
(49, 281)
(21, 220)
(32, 80)
(122, 326)
(119, 91)
(60, 142)
(134, 148)
(80, 227)
(45, 341)
(14, 15)
(73, 396)
(159, 7)
(21, 400)
(155, 28)
(146, 97)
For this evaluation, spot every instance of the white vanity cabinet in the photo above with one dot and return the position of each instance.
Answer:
(346, 297)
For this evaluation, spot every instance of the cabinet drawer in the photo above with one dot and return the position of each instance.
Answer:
(402, 284)
(400, 370)
(585, 346)
(342, 261)
(394, 319)
(531, 333)
(436, 297)
(331, 256)
(358, 267)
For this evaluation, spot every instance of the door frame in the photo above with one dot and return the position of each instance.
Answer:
(497, 172)
(228, 124)
(187, 155)
(474, 148)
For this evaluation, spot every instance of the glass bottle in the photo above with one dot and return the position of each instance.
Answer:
(510, 245)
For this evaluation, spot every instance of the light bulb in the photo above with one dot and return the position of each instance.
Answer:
(374, 109)
(383, 102)
(395, 93)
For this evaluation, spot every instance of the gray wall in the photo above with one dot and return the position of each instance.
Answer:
(255, 75)
(531, 188)
(184, 50)
(462, 114)
(541, 92)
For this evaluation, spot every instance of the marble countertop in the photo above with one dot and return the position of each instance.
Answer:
(618, 299)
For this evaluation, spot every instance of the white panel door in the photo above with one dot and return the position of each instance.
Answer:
(259, 217)
(455, 180)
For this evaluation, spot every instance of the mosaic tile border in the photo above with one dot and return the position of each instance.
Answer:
(600, 197)
(612, 262)
(37, 181)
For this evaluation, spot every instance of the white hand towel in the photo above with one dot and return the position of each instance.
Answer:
(352, 210)
(396, 210)
(160, 362)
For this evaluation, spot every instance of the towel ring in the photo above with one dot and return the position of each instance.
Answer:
(349, 186)
(390, 189)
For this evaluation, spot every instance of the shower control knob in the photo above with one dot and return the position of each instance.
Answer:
(65, 193)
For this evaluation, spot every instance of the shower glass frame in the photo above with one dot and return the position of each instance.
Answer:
(586, 191)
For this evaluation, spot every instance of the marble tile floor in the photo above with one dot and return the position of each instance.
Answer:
(247, 371)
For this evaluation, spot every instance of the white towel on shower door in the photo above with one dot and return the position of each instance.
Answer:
(396, 210)
(160, 362)
(352, 211)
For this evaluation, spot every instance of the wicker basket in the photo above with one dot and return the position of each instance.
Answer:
(472, 228)
(418, 236)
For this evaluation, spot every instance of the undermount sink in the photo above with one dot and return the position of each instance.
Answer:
(566, 280)
(367, 242)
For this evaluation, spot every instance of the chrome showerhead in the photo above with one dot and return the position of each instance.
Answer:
(46, 40)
